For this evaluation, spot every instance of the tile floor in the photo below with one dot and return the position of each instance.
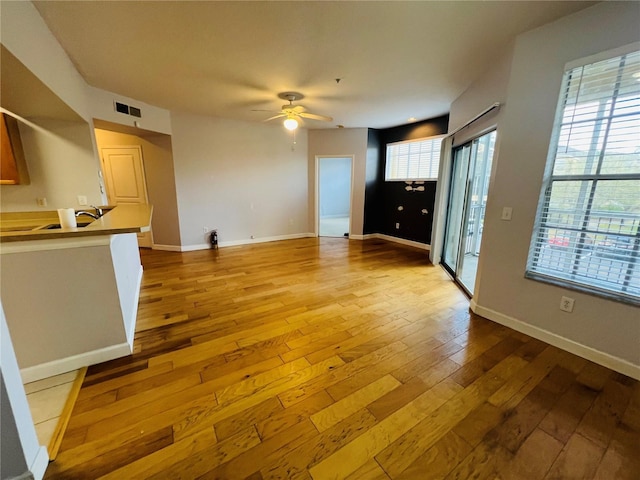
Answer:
(333, 226)
(47, 399)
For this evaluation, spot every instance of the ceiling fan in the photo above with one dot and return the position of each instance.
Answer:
(293, 113)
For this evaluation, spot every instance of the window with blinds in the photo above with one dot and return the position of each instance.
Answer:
(413, 160)
(587, 231)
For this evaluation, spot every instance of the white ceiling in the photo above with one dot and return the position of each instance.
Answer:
(395, 59)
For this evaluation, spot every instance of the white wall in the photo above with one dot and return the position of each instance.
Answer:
(243, 179)
(603, 330)
(128, 275)
(159, 173)
(61, 299)
(340, 142)
(24, 33)
(61, 156)
(61, 164)
(101, 105)
(485, 91)
(21, 452)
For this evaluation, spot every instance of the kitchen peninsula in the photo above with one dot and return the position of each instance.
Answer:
(70, 295)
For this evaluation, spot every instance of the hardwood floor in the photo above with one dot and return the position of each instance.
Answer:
(330, 358)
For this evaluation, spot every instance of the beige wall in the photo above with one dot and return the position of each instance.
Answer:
(24, 33)
(243, 179)
(61, 155)
(158, 165)
(21, 453)
(604, 330)
(61, 163)
(101, 105)
(339, 143)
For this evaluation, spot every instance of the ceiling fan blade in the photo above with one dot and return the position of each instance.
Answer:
(298, 109)
(264, 110)
(315, 116)
(280, 115)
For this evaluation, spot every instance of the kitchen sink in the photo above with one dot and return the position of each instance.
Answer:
(53, 226)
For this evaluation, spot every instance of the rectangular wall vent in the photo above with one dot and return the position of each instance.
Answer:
(122, 108)
(127, 109)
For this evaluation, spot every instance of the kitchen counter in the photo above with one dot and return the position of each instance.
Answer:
(21, 226)
(70, 295)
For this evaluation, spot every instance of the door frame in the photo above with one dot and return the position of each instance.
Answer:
(453, 270)
(316, 204)
(443, 196)
(144, 181)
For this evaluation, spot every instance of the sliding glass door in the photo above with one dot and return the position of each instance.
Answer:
(471, 168)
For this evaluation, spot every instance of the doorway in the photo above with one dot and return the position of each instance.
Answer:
(471, 170)
(333, 210)
(124, 179)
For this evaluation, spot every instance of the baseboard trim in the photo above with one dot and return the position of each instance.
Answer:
(74, 362)
(389, 238)
(167, 248)
(248, 241)
(235, 243)
(606, 360)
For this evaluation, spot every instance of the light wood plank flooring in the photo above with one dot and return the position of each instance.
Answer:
(330, 358)
(50, 401)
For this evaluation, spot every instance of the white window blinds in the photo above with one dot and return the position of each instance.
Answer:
(413, 160)
(587, 232)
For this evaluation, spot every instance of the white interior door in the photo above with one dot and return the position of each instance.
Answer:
(124, 178)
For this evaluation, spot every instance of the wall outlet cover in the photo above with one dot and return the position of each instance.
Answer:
(566, 304)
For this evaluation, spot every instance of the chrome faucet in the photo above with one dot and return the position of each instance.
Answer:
(96, 215)
(82, 212)
(98, 210)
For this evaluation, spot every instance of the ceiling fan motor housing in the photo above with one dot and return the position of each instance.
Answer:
(291, 96)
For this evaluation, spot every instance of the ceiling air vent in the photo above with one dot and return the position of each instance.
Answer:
(127, 109)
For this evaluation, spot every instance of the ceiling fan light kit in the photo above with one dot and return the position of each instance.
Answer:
(290, 123)
(293, 114)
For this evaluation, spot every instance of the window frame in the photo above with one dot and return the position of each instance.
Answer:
(433, 168)
(543, 223)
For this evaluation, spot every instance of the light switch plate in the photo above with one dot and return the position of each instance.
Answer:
(506, 213)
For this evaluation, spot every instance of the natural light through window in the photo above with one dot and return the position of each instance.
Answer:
(587, 232)
(414, 159)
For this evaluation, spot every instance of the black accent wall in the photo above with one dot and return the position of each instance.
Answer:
(382, 198)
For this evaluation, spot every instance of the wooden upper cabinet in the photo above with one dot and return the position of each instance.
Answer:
(12, 167)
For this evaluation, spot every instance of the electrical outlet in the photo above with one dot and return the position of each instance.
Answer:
(82, 200)
(566, 304)
(205, 229)
(42, 202)
(397, 226)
